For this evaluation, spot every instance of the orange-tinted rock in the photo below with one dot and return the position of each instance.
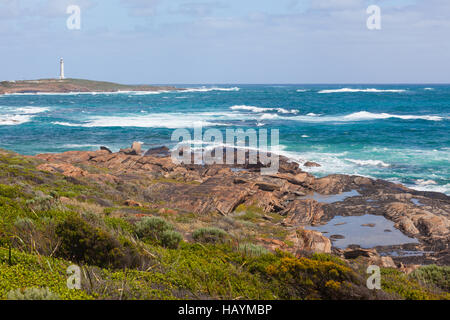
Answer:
(309, 240)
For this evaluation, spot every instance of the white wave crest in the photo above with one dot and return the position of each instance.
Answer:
(205, 89)
(371, 90)
(137, 93)
(364, 116)
(375, 163)
(432, 187)
(31, 110)
(74, 146)
(424, 182)
(261, 110)
(17, 116)
(13, 120)
(269, 116)
(171, 121)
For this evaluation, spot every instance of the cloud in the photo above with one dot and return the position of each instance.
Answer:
(335, 4)
(142, 7)
(199, 8)
(57, 8)
(27, 9)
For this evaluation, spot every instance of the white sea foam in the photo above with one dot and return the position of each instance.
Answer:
(370, 90)
(75, 146)
(364, 116)
(432, 187)
(375, 163)
(171, 121)
(302, 90)
(424, 182)
(20, 115)
(269, 116)
(208, 145)
(12, 120)
(261, 110)
(31, 110)
(206, 89)
(137, 93)
(429, 89)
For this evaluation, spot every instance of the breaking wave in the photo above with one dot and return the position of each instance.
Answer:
(170, 121)
(205, 89)
(261, 110)
(375, 163)
(372, 90)
(17, 116)
(364, 116)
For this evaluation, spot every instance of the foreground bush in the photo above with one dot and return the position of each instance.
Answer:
(32, 294)
(210, 235)
(171, 239)
(82, 243)
(433, 275)
(252, 249)
(152, 228)
(19, 270)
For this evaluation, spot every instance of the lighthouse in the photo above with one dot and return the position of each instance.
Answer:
(61, 69)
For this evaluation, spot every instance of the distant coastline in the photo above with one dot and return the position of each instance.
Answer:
(73, 85)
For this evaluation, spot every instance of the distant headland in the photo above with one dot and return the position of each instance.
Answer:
(72, 85)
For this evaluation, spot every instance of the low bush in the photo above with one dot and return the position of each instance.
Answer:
(433, 275)
(9, 191)
(32, 294)
(406, 287)
(171, 239)
(152, 228)
(314, 279)
(210, 235)
(252, 249)
(82, 243)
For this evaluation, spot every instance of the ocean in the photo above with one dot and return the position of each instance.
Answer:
(400, 133)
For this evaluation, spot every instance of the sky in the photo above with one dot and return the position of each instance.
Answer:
(227, 41)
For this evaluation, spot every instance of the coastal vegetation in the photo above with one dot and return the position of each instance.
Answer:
(49, 221)
(72, 85)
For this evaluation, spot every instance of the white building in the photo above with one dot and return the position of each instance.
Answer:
(61, 69)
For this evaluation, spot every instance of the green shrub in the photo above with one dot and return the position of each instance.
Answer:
(327, 257)
(438, 276)
(9, 191)
(82, 243)
(41, 203)
(119, 225)
(32, 294)
(171, 239)
(152, 228)
(406, 287)
(252, 249)
(210, 235)
(24, 223)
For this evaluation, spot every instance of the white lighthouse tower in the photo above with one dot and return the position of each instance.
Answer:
(61, 70)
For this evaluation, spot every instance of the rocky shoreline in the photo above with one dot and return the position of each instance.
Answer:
(282, 198)
(73, 85)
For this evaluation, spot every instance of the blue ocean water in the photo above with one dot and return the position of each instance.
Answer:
(394, 132)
